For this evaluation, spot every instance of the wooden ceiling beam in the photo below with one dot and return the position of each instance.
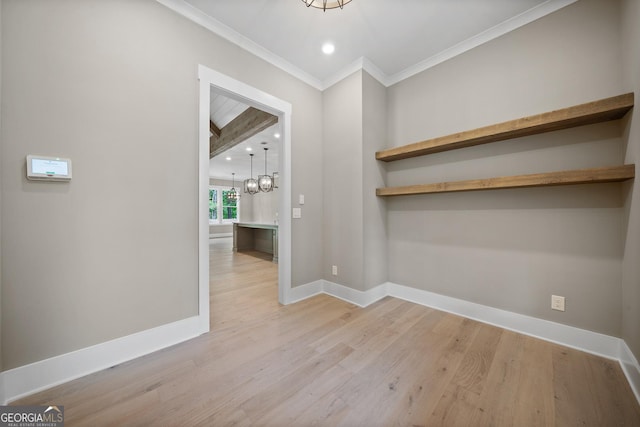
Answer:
(247, 124)
(214, 129)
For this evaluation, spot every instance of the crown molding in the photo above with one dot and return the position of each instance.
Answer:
(185, 9)
(375, 72)
(501, 29)
(361, 63)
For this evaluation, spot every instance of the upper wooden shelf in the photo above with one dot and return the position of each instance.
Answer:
(579, 115)
(581, 176)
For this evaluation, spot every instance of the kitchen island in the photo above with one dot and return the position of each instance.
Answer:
(248, 236)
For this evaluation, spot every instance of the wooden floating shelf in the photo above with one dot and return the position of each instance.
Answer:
(580, 115)
(581, 176)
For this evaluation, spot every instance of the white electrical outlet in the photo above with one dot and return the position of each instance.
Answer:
(334, 270)
(557, 302)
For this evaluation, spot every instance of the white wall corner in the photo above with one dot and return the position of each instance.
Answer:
(630, 367)
(26, 380)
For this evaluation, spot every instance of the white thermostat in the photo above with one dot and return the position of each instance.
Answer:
(42, 168)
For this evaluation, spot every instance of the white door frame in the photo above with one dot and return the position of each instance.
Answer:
(256, 98)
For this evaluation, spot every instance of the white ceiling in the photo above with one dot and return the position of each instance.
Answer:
(392, 39)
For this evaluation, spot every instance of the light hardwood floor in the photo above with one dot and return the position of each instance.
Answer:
(325, 362)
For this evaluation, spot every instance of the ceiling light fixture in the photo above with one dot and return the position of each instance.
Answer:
(250, 184)
(233, 194)
(324, 4)
(248, 148)
(328, 48)
(265, 182)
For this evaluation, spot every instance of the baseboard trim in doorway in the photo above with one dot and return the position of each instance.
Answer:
(219, 235)
(302, 292)
(580, 339)
(353, 296)
(630, 367)
(26, 380)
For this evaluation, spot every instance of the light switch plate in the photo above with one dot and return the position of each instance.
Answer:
(297, 213)
(301, 199)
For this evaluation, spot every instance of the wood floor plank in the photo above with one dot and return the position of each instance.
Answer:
(437, 369)
(286, 412)
(326, 362)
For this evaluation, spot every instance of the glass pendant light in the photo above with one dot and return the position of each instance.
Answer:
(265, 182)
(233, 194)
(251, 185)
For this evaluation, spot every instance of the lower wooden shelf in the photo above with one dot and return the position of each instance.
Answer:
(581, 176)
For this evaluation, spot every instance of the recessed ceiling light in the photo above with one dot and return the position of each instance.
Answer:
(328, 48)
(277, 135)
(228, 158)
(248, 148)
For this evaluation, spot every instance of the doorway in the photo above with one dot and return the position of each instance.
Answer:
(234, 89)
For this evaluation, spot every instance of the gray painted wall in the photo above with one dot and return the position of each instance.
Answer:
(512, 249)
(374, 209)
(343, 196)
(116, 83)
(630, 16)
(0, 186)
(75, 84)
(355, 219)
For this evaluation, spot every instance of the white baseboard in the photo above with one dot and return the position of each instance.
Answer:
(38, 376)
(359, 298)
(569, 336)
(630, 367)
(29, 379)
(305, 291)
(218, 235)
(3, 399)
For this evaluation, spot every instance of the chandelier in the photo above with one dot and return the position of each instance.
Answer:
(250, 184)
(265, 182)
(233, 194)
(324, 4)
